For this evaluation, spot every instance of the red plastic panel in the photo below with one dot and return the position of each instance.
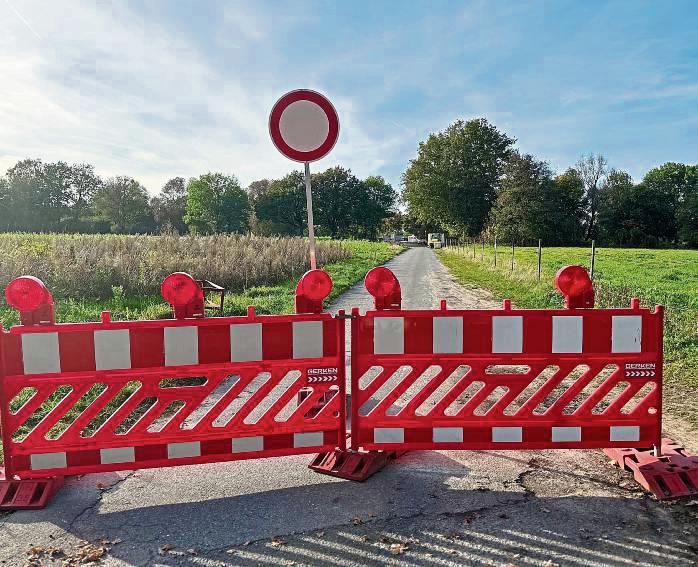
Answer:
(673, 474)
(509, 379)
(89, 397)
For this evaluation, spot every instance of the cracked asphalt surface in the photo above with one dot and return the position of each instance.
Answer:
(440, 508)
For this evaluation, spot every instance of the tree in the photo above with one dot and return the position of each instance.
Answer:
(256, 190)
(592, 171)
(634, 215)
(453, 180)
(36, 194)
(688, 219)
(170, 205)
(83, 186)
(677, 183)
(281, 209)
(336, 192)
(123, 203)
(375, 203)
(216, 203)
(532, 205)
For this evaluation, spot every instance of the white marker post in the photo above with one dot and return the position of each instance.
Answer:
(304, 126)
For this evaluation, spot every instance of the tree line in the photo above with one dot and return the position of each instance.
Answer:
(471, 181)
(61, 197)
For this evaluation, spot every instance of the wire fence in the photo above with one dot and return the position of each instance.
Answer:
(503, 255)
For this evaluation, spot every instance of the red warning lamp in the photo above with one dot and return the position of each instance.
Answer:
(313, 287)
(382, 284)
(32, 299)
(185, 296)
(575, 284)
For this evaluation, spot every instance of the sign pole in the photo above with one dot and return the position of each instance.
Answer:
(311, 226)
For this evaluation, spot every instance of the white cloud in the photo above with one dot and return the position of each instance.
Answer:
(117, 90)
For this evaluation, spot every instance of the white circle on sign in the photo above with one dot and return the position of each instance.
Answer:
(304, 125)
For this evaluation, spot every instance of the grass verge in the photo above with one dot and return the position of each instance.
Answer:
(667, 277)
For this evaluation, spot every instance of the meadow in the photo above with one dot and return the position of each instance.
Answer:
(666, 277)
(90, 273)
(259, 271)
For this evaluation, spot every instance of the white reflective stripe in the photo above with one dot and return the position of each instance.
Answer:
(112, 349)
(389, 435)
(246, 342)
(567, 333)
(507, 434)
(626, 334)
(181, 346)
(388, 335)
(40, 353)
(117, 455)
(307, 339)
(310, 439)
(448, 335)
(571, 434)
(447, 434)
(507, 334)
(248, 444)
(43, 461)
(181, 450)
(625, 433)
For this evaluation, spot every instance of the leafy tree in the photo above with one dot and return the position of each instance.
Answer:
(592, 170)
(170, 205)
(83, 186)
(453, 180)
(123, 203)
(677, 184)
(336, 193)
(565, 207)
(36, 195)
(216, 203)
(532, 205)
(257, 189)
(687, 218)
(281, 209)
(634, 215)
(375, 203)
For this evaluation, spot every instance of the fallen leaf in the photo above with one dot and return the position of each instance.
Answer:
(276, 541)
(397, 548)
(364, 538)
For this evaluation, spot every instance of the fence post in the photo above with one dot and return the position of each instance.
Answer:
(483, 248)
(539, 257)
(593, 258)
(495, 251)
(512, 255)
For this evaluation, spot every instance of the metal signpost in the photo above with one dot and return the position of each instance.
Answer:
(304, 127)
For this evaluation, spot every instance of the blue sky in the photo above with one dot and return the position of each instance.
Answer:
(155, 89)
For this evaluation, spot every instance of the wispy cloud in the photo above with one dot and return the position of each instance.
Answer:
(165, 88)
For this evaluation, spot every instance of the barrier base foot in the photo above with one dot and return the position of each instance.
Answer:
(351, 464)
(672, 475)
(27, 494)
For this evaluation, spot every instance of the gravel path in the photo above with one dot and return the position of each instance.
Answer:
(440, 508)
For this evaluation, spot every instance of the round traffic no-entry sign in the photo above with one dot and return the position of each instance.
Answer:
(304, 125)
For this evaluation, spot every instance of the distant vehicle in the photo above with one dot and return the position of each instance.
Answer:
(436, 239)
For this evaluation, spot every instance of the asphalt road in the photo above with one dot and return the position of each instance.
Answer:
(428, 508)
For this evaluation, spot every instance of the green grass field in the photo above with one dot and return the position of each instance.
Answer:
(667, 277)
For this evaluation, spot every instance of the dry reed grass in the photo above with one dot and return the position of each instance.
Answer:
(89, 266)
